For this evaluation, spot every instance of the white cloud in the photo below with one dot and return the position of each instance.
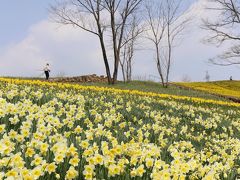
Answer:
(67, 50)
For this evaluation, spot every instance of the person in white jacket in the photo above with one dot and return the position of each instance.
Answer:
(47, 71)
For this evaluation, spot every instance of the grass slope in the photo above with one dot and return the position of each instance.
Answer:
(148, 86)
(229, 89)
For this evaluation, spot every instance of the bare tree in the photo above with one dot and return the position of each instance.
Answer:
(166, 20)
(225, 28)
(129, 48)
(186, 78)
(97, 17)
(86, 15)
(157, 22)
(121, 12)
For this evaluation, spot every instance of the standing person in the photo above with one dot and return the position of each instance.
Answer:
(47, 71)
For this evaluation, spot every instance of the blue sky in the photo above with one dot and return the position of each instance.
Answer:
(17, 16)
(29, 40)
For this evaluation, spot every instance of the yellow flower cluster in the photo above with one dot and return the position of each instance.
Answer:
(64, 131)
(222, 88)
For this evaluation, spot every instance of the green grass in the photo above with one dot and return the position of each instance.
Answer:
(149, 86)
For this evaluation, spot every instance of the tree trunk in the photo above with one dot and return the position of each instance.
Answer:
(115, 49)
(115, 73)
(128, 71)
(123, 73)
(104, 53)
(169, 56)
(159, 65)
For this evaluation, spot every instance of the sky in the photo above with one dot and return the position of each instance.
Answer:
(29, 40)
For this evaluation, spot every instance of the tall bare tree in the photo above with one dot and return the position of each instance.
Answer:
(121, 13)
(157, 22)
(97, 17)
(130, 39)
(167, 19)
(225, 28)
(86, 15)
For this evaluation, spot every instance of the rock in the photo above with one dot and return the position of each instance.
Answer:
(81, 79)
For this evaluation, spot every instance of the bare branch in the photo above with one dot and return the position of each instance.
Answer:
(167, 20)
(86, 15)
(225, 28)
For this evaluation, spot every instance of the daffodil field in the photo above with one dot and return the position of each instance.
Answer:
(222, 88)
(66, 131)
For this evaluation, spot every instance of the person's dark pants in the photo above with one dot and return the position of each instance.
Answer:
(47, 75)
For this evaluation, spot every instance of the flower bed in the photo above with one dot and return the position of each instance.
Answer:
(64, 131)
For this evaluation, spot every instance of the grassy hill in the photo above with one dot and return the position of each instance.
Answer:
(175, 89)
(218, 90)
(149, 86)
